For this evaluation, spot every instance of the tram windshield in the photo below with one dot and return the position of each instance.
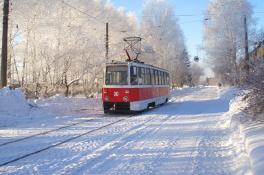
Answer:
(116, 75)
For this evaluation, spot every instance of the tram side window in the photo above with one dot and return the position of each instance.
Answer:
(159, 77)
(157, 83)
(143, 72)
(133, 75)
(165, 78)
(152, 76)
(156, 77)
(162, 78)
(139, 76)
(148, 77)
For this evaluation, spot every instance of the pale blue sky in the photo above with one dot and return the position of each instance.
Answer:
(191, 25)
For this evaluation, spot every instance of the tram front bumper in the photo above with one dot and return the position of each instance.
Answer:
(116, 106)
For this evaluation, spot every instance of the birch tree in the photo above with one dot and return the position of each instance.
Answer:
(224, 36)
(164, 41)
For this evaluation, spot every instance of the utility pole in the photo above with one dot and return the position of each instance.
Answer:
(107, 43)
(246, 45)
(4, 44)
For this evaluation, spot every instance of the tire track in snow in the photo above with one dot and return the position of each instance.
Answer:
(71, 163)
(128, 169)
(92, 141)
(103, 152)
(134, 139)
(210, 158)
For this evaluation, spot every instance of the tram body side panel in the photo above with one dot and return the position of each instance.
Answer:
(156, 95)
(138, 98)
(133, 94)
(117, 94)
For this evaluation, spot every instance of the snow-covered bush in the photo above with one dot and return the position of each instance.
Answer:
(13, 102)
(256, 96)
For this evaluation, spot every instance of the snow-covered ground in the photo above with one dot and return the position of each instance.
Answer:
(200, 131)
(16, 112)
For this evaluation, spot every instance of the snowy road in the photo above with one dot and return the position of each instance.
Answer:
(189, 135)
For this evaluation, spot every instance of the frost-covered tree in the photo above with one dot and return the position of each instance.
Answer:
(58, 44)
(163, 39)
(196, 72)
(186, 72)
(224, 36)
(259, 36)
(62, 43)
(182, 75)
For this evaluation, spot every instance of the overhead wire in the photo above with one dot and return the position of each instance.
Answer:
(69, 5)
(176, 15)
(95, 18)
(143, 16)
(193, 21)
(92, 17)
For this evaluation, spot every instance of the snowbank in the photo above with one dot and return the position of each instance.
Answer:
(13, 103)
(14, 108)
(16, 111)
(248, 134)
(61, 105)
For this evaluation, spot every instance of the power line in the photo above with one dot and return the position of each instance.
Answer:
(191, 15)
(69, 5)
(200, 20)
(182, 15)
(93, 17)
(176, 15)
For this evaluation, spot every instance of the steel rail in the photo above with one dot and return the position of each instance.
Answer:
(63, 142)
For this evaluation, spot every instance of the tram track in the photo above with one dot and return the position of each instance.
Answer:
(57, 143)
(49, 131)
(139, 133)
(111, 143)
(43, 133)
(64, 141)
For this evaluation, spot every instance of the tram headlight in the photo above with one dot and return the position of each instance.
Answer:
(106, 98)
(125, 99)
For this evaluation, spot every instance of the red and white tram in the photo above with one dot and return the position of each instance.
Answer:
(134, 86)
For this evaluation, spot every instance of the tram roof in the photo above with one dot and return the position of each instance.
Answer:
(135, 63)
